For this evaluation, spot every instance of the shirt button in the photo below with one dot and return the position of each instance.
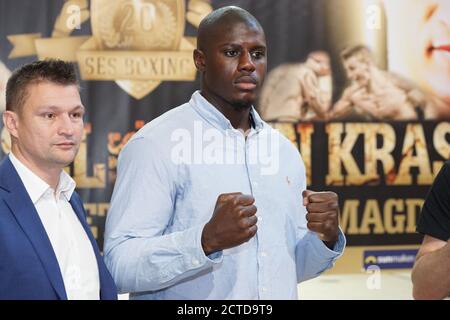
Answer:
(260, 218)
(263, 289)
(263, 254)
(255, 184)
(195, 262)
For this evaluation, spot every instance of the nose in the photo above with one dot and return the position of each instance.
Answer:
(246, 62)
(65, 125)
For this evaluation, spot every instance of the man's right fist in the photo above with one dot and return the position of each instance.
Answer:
(233, 222)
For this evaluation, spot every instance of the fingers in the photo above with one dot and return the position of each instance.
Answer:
(228, 196)
(322, 196)
(322, 213)
(248, 211)
(248, 222)
(305, 195)
(326, 230)
(244, 199)
(315, 226)
(237, 197)
(252, 231)
(322, 206)
(320, 216)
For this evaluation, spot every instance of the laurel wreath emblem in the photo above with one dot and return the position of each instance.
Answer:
(116, 34)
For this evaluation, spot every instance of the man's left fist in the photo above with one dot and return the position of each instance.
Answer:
(322, 215)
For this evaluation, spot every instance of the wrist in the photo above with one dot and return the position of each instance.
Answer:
(330, 244)
(206, 246)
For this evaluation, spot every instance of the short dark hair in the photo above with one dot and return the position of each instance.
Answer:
(51, 70)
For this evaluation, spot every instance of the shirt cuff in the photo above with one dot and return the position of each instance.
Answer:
(326, 252)
(199, 257)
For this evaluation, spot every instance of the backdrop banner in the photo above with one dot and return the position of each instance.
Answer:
(361, 88)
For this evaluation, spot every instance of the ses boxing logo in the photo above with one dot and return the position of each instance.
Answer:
(136, 43)
(390, 259)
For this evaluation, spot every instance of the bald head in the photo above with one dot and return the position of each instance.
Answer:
(217, 21)
(231, 57)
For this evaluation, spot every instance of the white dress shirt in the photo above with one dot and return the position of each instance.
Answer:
(170, 174)
(70, 242)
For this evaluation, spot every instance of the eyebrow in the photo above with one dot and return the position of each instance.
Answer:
(56, 108)
(237, 45)
(430, 11)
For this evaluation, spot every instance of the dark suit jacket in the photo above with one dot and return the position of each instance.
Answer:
(28, 265)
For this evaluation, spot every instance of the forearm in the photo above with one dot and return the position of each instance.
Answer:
(319, 107)
(430, 275)
(341, 108)
(149, 264)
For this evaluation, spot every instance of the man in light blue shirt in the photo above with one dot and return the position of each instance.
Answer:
(208, 200)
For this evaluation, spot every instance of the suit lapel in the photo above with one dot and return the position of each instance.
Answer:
(26, 215)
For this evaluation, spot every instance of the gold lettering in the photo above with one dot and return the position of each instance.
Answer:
(90, 69)
(413, 206)
(98, 180)
(95, 210)
(340, 153)
(371, 216)
(372, 153)
(441, 144)
(399, 225)
(349, 217)
(395, 219)
(414, 140)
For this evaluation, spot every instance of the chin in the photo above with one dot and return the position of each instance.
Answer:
(245, 101)
(63, 160)
(243, 104)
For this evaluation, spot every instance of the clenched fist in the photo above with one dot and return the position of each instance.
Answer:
(233, 222)
(322, 215)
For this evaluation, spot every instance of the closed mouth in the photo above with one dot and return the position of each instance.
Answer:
(441, 47)
(246, 79)
(65, 144)
(246, 83)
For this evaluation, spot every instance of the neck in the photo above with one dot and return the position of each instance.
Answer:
(239, 115)
(49, 174)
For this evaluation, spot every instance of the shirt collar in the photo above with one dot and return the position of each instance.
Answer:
(215, 117)
(36, 187)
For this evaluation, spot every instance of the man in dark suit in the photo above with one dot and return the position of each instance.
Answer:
(47, 250)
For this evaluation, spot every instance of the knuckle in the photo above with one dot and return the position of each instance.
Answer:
(223, 197)
(333, 205)
(252, 231)
(240, 212)
(242, 224)
(235, 202)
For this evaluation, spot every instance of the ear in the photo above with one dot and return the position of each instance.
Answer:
(11, 122)
(199, 60)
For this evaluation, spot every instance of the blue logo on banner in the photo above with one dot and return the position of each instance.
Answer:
(390, 259)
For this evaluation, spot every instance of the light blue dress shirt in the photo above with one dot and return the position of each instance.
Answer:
(169, 177)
